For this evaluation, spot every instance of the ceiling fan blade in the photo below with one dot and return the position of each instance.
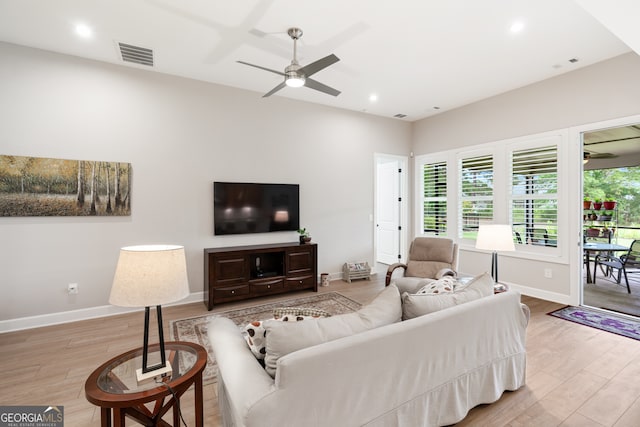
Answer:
(310, 69)
(314, 84)
(603, 155)
(274, 90)
(280, 73)
(592, 155)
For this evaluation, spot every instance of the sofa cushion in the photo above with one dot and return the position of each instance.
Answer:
(414, 305)
(285, 337)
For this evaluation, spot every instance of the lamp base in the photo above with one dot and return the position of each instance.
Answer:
(162, 372)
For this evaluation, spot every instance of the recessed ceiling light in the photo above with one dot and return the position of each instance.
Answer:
(84, 31)
(373, 97)
(516, 27)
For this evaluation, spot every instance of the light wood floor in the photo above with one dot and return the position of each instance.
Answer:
(576, 375)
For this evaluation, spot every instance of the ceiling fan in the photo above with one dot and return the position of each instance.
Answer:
(589, 155)
(297, 76)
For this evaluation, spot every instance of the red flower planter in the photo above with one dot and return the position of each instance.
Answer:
(593, 232)
(609, 205)
(597, 206)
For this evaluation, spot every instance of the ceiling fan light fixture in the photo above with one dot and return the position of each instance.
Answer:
(293, 77)
(294, 81)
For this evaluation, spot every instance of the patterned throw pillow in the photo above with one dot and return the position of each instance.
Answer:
(299, 311)
(255, 333)
(444, 285)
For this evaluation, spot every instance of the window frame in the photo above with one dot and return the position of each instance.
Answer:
(502, 152)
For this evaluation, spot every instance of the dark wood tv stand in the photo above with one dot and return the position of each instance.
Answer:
(242, 272)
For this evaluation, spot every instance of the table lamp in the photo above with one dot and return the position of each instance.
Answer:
(495, 237)
(146, 276)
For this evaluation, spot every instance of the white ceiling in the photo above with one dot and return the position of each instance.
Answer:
(414, 54)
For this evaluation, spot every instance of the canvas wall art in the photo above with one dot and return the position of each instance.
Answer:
(36, 186)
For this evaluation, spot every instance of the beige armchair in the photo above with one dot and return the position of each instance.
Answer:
(429, 258)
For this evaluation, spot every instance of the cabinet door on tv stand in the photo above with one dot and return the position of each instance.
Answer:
(229, 270)
(300, 260)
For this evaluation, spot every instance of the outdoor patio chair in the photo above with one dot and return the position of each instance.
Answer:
(627, 264)
(540, 237)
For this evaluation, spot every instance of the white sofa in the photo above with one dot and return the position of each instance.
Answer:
(426, 371)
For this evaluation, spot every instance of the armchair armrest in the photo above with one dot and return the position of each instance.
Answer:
(445, 272)
(390, 270)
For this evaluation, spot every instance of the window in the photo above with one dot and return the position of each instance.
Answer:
(534, 196)
(434, 198)
(475, 194)
(517, 181)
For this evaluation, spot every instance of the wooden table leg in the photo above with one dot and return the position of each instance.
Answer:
(176, 411)
(118, 417)
(198, 400)
(105, 417)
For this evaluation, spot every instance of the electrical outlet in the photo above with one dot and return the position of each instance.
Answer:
(548, 273)
(72, 289)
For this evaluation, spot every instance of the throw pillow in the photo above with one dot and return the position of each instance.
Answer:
(285, 337)
(255, 333)
(299, 311)
(419, 305)
(444, 285)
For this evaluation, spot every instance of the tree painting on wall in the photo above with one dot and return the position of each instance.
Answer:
(36, 186)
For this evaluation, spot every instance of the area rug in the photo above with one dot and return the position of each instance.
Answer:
(605, 321)
(195, 329)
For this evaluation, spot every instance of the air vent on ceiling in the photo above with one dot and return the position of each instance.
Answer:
(136, 54)
(400, 116)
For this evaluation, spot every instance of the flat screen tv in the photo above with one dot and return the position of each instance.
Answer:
(240, 207)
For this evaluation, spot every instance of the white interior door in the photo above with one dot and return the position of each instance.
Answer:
(388, 209)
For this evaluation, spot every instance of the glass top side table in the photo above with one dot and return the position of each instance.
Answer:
(113, 385)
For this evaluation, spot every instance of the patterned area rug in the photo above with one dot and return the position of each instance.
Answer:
(609, 322)
(195, 329)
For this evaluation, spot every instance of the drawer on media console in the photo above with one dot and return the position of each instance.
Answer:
(299, 282)
(231, 291)
(265, 286)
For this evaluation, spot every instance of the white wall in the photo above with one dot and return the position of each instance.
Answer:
(179, 135)
(601, 92)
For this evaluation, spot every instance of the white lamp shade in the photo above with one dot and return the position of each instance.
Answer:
(495, 237)
(150, 275)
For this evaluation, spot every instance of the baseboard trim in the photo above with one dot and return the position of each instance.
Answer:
(541, 294)
(50, 319)
(96, 312)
